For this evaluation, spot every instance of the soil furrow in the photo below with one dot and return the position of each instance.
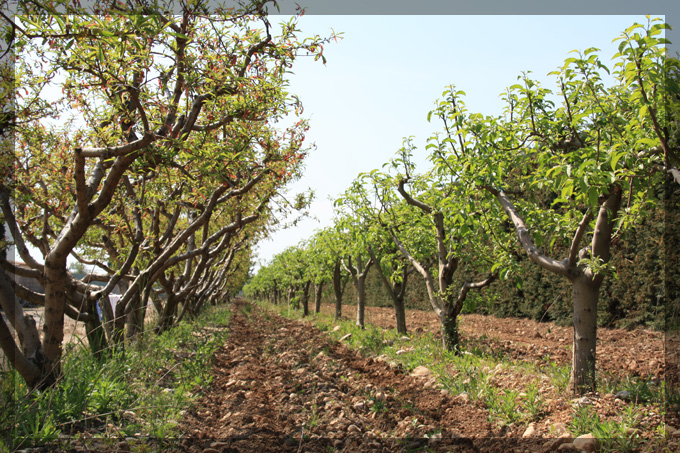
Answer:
(281, 385)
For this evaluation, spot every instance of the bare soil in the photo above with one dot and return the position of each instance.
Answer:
(282, 385)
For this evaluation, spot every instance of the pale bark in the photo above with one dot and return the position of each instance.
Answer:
(585, 296)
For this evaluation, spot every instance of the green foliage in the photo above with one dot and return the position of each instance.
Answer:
(614, 436)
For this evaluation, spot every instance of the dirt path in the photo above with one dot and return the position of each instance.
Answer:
(280, 385)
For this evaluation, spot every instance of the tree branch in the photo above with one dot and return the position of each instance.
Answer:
(410, 200)
(524, 236)
(578, 236)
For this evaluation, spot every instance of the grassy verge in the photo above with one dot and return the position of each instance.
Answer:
(515, 393)
(133, 395)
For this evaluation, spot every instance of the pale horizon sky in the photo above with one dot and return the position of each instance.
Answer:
(383, 77)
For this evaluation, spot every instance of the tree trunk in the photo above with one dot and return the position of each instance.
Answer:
(305, 298)
(585, 295)
(338, 289)
(400, 315)
(165, 317)
(292, 298)
(317, 297)
(450, 337)
(132, 321)
(359, 272)
(396, 291)
(26, 361)
(360, 284)
(94, 329)
(53, 324)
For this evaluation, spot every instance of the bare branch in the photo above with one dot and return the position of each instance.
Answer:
(578, 236)
(524, 236)
(14, 229)
(410, 200)
(429, 281)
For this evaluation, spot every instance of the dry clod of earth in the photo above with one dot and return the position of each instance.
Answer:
(554, 444)
(530, 431)
(587, 442)
(669, 430)
(568, 448)
(421, 371)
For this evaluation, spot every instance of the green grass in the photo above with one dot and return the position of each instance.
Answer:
(138, 392)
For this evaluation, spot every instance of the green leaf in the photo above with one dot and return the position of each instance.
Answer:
(593, 196)
(178, 35)
(567, 190)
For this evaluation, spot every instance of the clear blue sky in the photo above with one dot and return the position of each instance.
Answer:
(384, 76)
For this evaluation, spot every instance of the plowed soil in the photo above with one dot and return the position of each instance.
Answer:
(282, 385)
(637, 352)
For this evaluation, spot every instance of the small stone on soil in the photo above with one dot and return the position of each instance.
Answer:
(587, 442)
(353, 429)
(421, 371)
(623, 395)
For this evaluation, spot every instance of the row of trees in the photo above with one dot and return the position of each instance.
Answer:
(564, 171)
(148, 144)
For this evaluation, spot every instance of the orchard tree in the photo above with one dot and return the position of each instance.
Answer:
(331, 243)
(355, 259)
(383, 251)
(440, 230)
(599, 154)
(319, 266)
(108, 103)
